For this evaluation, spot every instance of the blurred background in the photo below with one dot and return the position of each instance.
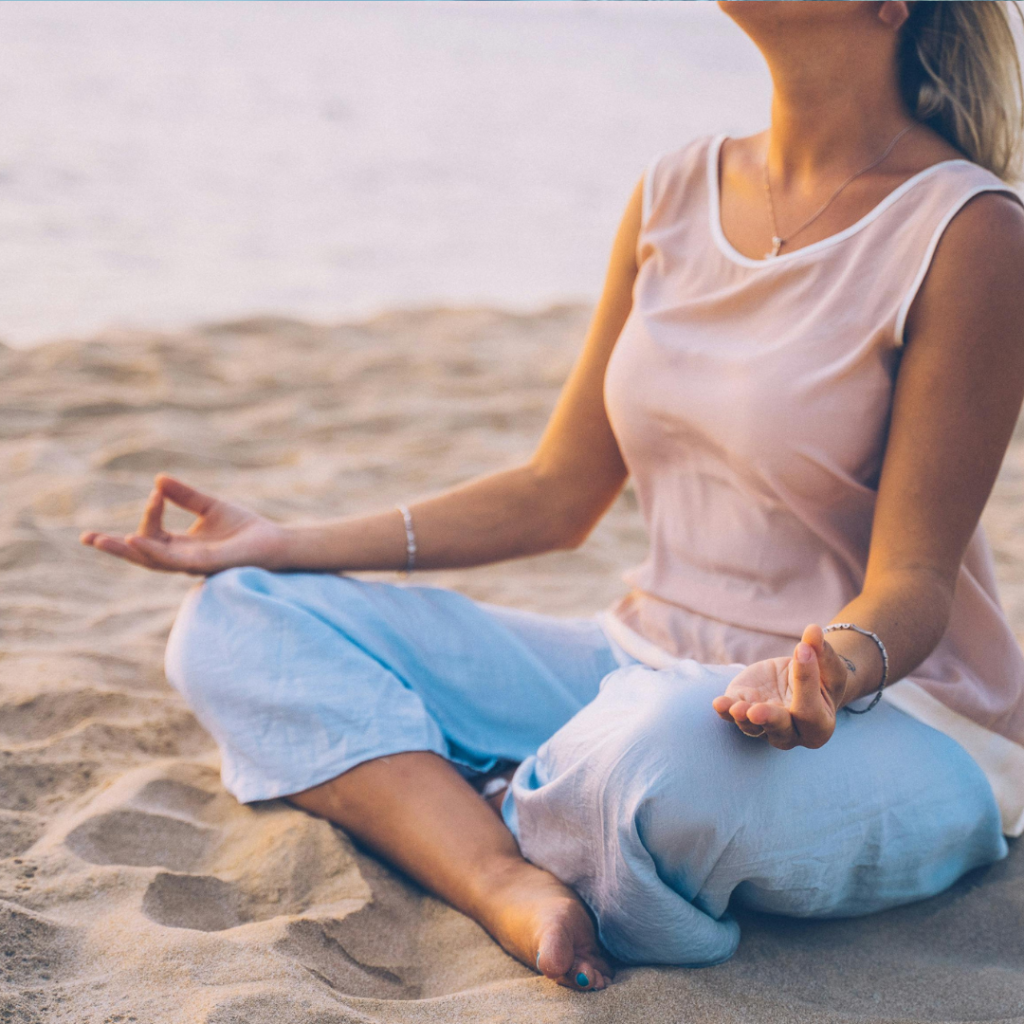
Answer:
(163, 164)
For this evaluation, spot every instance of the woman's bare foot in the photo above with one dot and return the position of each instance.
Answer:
(544, 924)
(419, 813)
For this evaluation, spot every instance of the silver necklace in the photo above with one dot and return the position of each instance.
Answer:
(777, 240)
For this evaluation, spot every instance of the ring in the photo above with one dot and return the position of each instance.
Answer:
(756, 735)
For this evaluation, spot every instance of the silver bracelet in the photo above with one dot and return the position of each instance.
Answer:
(882, 651)
(410, 539)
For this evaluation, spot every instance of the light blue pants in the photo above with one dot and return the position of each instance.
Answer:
(631, 789)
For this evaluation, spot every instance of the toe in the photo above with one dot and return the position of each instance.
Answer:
(603, 966)
(586, 976)
(596, 981)
(555, 955)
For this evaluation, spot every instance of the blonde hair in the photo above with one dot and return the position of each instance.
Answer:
(960, 75)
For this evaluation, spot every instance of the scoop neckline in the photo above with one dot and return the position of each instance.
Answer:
(731, 252)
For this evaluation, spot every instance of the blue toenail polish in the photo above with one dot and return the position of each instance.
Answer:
(582, 980)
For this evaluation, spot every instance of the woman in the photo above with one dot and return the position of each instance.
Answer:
(809, 355)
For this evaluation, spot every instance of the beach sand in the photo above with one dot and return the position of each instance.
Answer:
(134, 889)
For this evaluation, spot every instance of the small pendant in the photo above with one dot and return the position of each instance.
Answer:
(776, 246)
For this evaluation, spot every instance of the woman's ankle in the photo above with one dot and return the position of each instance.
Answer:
(499, 874)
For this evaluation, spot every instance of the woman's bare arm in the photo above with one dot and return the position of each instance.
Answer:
(958, 395)
(551, 502)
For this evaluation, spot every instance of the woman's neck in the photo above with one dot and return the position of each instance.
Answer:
(831, 116)
(836, 106)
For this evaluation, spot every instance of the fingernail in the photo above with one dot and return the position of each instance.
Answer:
(804, 652)
(582, 980)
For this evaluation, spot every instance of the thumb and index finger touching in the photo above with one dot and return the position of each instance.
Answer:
(149, 545)
(183, 495)
(152, 540)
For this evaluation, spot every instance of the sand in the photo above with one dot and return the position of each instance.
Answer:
(134, 889)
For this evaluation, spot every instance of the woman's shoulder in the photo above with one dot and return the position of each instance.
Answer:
(974, 259)
(941, 180)
(958, 171)
(972, 210)
(674, 172)
(985, 221)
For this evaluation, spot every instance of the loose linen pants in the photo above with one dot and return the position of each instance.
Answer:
(630, 788)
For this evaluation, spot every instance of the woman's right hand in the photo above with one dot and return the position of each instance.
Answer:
(223, 535)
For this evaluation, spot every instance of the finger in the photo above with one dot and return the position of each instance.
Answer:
(776, 722)
(805, 678)
(814, 635)
(739, 715)
(722, 705)
(812, 718)
(771, 716)
(835, 671)
(164, 554)
(184, 496)
(832, 666)
(117, 547)
(738, 711)
(152, 517)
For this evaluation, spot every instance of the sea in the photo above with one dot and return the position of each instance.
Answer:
(164, 164)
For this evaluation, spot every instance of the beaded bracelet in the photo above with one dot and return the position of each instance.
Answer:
(885, 661)
(410, 539)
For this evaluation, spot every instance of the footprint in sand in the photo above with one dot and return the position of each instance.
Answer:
(159, 828)
(160, 824)
(139, 839)
(311, 944)
(200, 902)
(174, 797)
(224, 864)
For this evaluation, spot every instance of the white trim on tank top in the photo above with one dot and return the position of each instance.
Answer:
(933, 244)
(647, 194)
(728, 250)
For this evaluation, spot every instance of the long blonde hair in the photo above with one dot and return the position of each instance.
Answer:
(960, 74)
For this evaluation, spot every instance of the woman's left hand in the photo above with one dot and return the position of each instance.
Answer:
(791, 701)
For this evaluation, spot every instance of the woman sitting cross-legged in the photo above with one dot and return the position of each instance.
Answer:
(809, 356)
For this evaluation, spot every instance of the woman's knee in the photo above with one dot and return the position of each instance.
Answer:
(210, 616)
(653, 754)
(661, 726)
(642, 777)
(694, 770)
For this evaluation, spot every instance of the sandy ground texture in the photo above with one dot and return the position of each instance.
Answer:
(134, 889)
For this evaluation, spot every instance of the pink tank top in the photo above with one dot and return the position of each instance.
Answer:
(750, 399)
